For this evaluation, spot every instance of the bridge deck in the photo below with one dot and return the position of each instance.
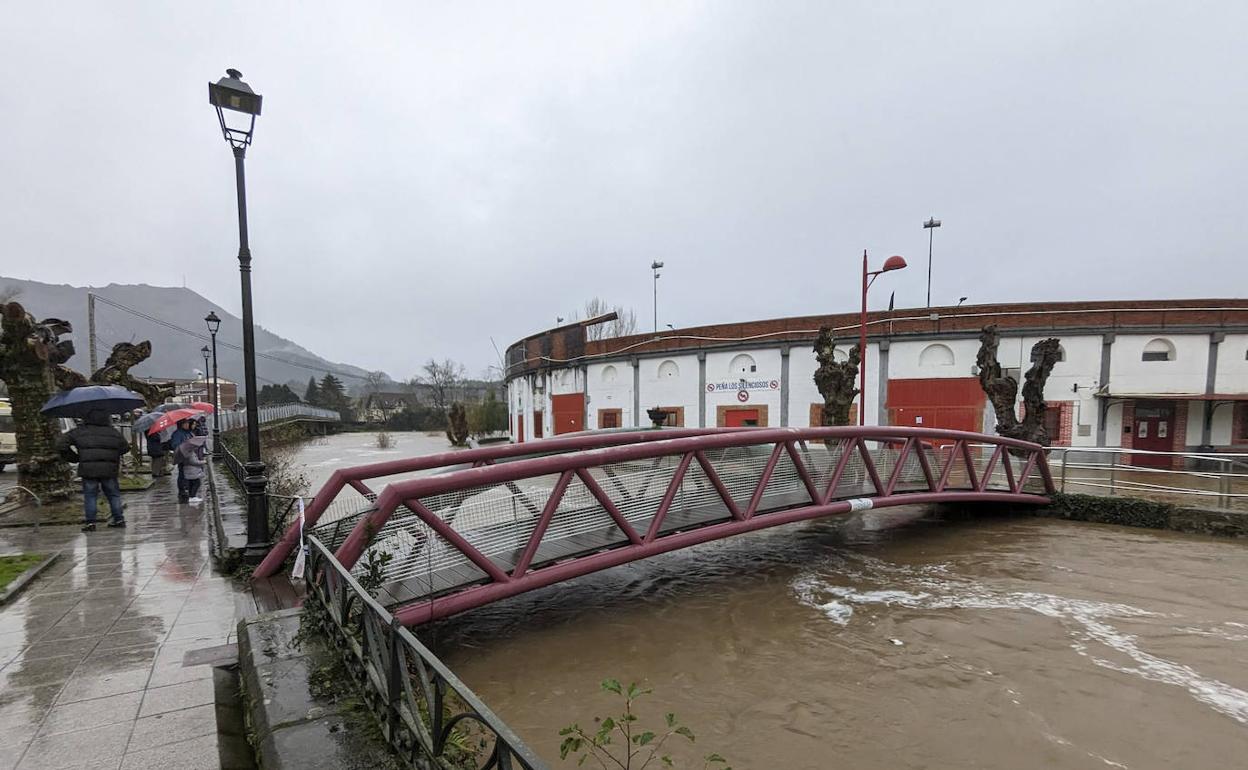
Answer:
(582, 543)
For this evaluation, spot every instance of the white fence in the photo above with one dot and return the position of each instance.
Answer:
(235, 420)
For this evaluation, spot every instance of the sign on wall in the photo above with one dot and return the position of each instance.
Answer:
(742, 385)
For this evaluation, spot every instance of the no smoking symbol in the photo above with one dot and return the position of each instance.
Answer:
(743, 395)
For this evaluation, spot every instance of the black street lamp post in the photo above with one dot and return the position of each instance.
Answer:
(205, 352)
(214, 324)
(231, 95)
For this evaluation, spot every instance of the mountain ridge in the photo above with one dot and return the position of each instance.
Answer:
(175, 353)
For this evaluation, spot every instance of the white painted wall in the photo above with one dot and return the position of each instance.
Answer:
(802, 390)
(1128, 373)
(670, 382)
(719, 371)
(1232, 374)
(906, 360)
(609, 386)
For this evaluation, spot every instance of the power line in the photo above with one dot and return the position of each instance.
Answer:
(224, 344)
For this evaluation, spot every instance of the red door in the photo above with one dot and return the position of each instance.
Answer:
(954, 403)
(740, 418)
(1154, 431)
(538, 424)
(569, 412)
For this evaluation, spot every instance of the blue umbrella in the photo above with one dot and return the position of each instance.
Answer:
(146, 421)
(78, 402)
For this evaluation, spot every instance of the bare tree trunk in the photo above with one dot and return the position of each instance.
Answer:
(31, 359)
(1002, 391)
(836, 380)
(116, 371)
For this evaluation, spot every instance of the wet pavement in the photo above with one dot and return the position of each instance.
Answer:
(92, 670)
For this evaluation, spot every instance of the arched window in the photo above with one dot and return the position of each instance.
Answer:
(668, 370)
(742, 364)
(609, 374)
(1061, 354)
(936, 355)
(1159, 349)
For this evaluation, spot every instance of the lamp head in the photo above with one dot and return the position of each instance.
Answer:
(213, 322)
(231, 95)
(893, 263)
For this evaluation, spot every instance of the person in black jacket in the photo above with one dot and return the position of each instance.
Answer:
(97, 447)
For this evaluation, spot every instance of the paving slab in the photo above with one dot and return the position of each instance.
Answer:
(98, 661)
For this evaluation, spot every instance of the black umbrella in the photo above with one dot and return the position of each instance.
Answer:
(112, 399)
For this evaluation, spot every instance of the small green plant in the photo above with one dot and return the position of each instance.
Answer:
(374, 576)
(384, 440)
(620, 742)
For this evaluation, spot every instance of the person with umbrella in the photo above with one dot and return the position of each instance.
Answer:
(96, 446)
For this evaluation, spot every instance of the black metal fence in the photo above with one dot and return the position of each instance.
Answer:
(428, 715)
(282, 508)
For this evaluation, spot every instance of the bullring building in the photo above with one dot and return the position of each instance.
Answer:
(1167, 375)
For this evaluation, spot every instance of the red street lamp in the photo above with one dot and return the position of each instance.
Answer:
(892, 263)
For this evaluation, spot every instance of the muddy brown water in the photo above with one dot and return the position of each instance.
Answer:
(894, 640)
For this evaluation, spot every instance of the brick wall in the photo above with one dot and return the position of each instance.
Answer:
(1128, 431)
(1180, 431)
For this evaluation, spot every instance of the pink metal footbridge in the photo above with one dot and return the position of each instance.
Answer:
(515, 518)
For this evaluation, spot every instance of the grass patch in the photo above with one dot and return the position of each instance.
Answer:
(12, 566)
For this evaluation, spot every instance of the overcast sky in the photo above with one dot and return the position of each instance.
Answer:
(428, 175)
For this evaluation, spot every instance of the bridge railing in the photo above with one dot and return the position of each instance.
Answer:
(347, 495)
(237, 420)
(426, 712)
(498, 530)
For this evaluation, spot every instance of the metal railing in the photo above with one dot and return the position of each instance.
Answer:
(237, 420)
(427, 714)
(1217, 480)
(281, 507)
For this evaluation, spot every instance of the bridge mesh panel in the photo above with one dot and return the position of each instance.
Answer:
(911, 478)
(785, 487)
(999, 479)
(820, 461)
(740, 469)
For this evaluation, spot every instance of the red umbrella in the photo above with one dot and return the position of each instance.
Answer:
(202, 406)
(171, 418)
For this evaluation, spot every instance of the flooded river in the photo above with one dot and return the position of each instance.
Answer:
(894, 641)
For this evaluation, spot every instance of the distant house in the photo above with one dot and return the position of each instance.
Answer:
(377, 407)
(199, 389)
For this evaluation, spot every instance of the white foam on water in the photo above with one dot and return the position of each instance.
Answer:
(1088, 622)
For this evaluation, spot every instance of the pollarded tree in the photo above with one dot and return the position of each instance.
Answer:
(836, 380)
(1002, 390)
(457, 424)
(31, 365)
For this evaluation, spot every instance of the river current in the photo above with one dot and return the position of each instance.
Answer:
(888, 640)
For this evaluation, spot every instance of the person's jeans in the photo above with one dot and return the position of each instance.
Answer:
(183, 493)
(192, 487)
(112, 490)
(158, 466)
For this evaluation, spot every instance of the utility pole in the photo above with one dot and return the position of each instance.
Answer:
(655, 267)
(91, 333)
(930, 226)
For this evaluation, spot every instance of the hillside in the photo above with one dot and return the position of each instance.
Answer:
(174, 353)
